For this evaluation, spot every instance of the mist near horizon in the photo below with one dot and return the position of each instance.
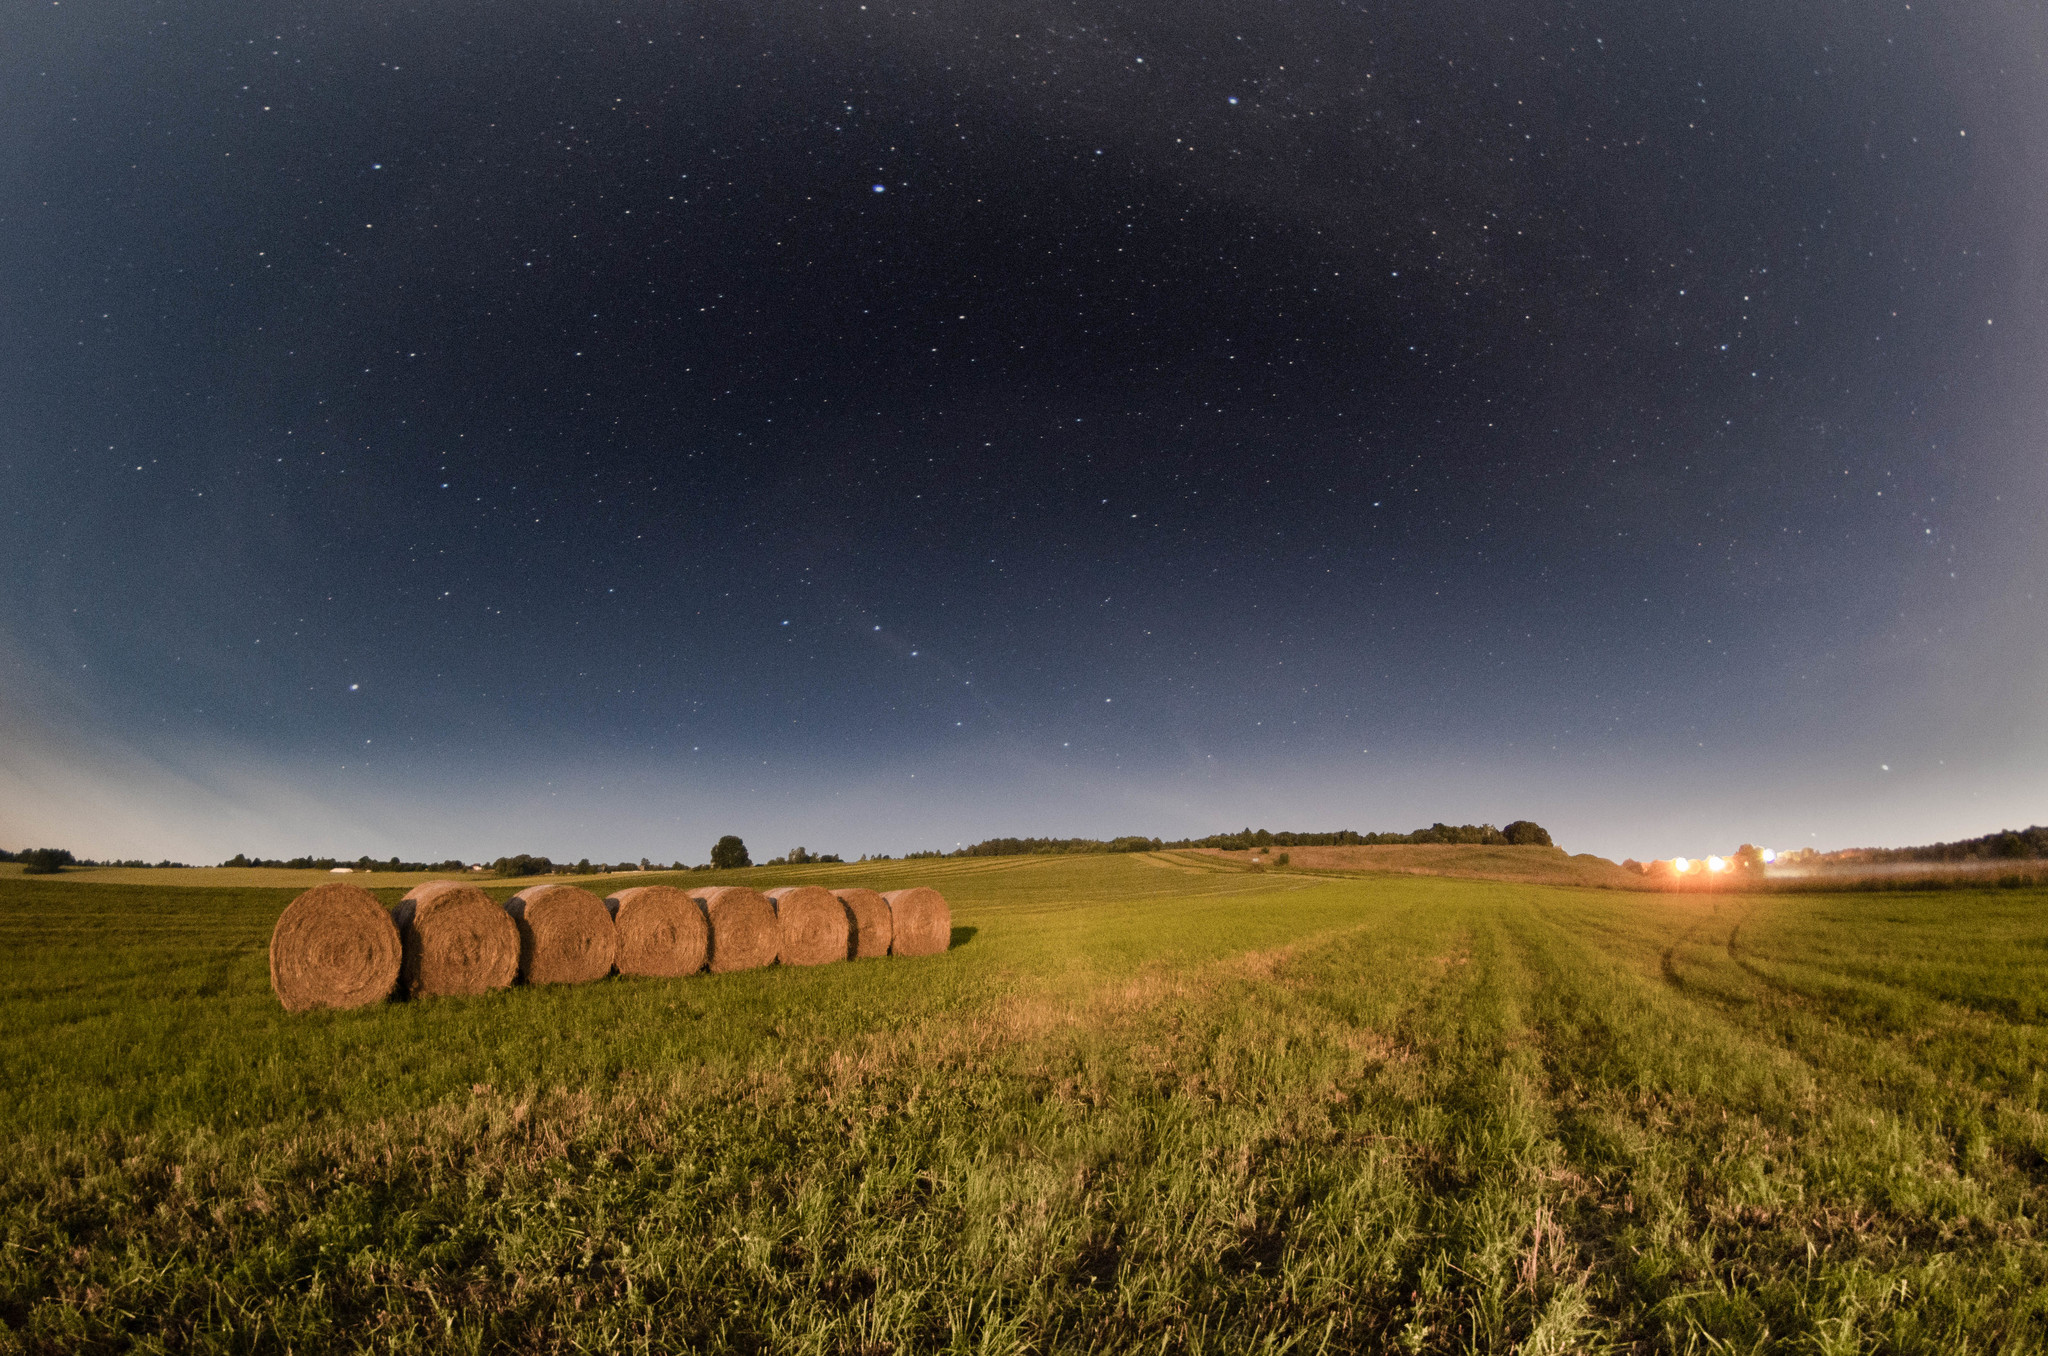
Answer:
(480, 431)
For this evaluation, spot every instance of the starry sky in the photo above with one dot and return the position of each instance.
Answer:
(589, 429)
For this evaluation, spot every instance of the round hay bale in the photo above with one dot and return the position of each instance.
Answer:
(661, 931)
(868, 914)
(744, 934)
(566, 935)
(457, 940)
(420, 892)
(923, 923)
(334, 947)
(813, 924)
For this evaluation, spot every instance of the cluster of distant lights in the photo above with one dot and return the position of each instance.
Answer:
(1714, 865)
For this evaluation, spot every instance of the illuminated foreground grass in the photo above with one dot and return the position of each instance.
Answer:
(1142, 1105)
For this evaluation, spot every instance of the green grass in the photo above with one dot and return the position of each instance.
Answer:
(1144, 1104)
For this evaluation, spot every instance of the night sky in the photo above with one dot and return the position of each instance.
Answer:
(590, 429)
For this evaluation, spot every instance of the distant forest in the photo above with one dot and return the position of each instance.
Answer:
(49, 861)
(1521, 833)
(523, 864)
(2005, 844)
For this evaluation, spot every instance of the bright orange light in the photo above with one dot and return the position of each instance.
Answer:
(1716, 864)
(1681, 865)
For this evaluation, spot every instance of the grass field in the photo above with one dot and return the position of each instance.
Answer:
(1526, 865)
(1146, 1103)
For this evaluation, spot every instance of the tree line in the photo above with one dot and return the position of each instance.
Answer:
(1520, 833)
(2006, 844)
(49, 861)
(730, 852)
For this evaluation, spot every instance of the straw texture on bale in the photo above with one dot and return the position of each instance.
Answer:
(923, 923)
(661, 931)
(813, 924)
(334, 947)
(566, 935)
(867, 913)
(456, 939)
(744, 935)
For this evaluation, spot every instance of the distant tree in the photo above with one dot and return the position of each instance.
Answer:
(1749, 860)
(583, 866)
(1525, 833)
(522, 865)
(730, 853)
(45, 861)
(2019, 843)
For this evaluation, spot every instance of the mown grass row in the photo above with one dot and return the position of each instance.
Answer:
(1136, 1107)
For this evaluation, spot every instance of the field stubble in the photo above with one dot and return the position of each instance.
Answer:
(1134, 1107)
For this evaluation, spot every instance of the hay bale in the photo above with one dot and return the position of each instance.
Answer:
(661, 931)
(813, 924)
(334, 947)
(420, 892)
(744, 934)
(868, 914)
(922, 923)
(566, 935)
(457, 940)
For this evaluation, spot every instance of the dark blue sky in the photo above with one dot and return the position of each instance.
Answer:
(589, 430)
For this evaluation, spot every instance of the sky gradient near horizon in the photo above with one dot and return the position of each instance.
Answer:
(465, 430)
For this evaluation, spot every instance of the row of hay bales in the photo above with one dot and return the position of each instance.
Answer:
(336, 947)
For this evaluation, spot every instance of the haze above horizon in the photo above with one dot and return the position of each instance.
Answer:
(483, 431)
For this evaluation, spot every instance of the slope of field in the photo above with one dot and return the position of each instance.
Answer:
(1534, 865)
(1141, 1105)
